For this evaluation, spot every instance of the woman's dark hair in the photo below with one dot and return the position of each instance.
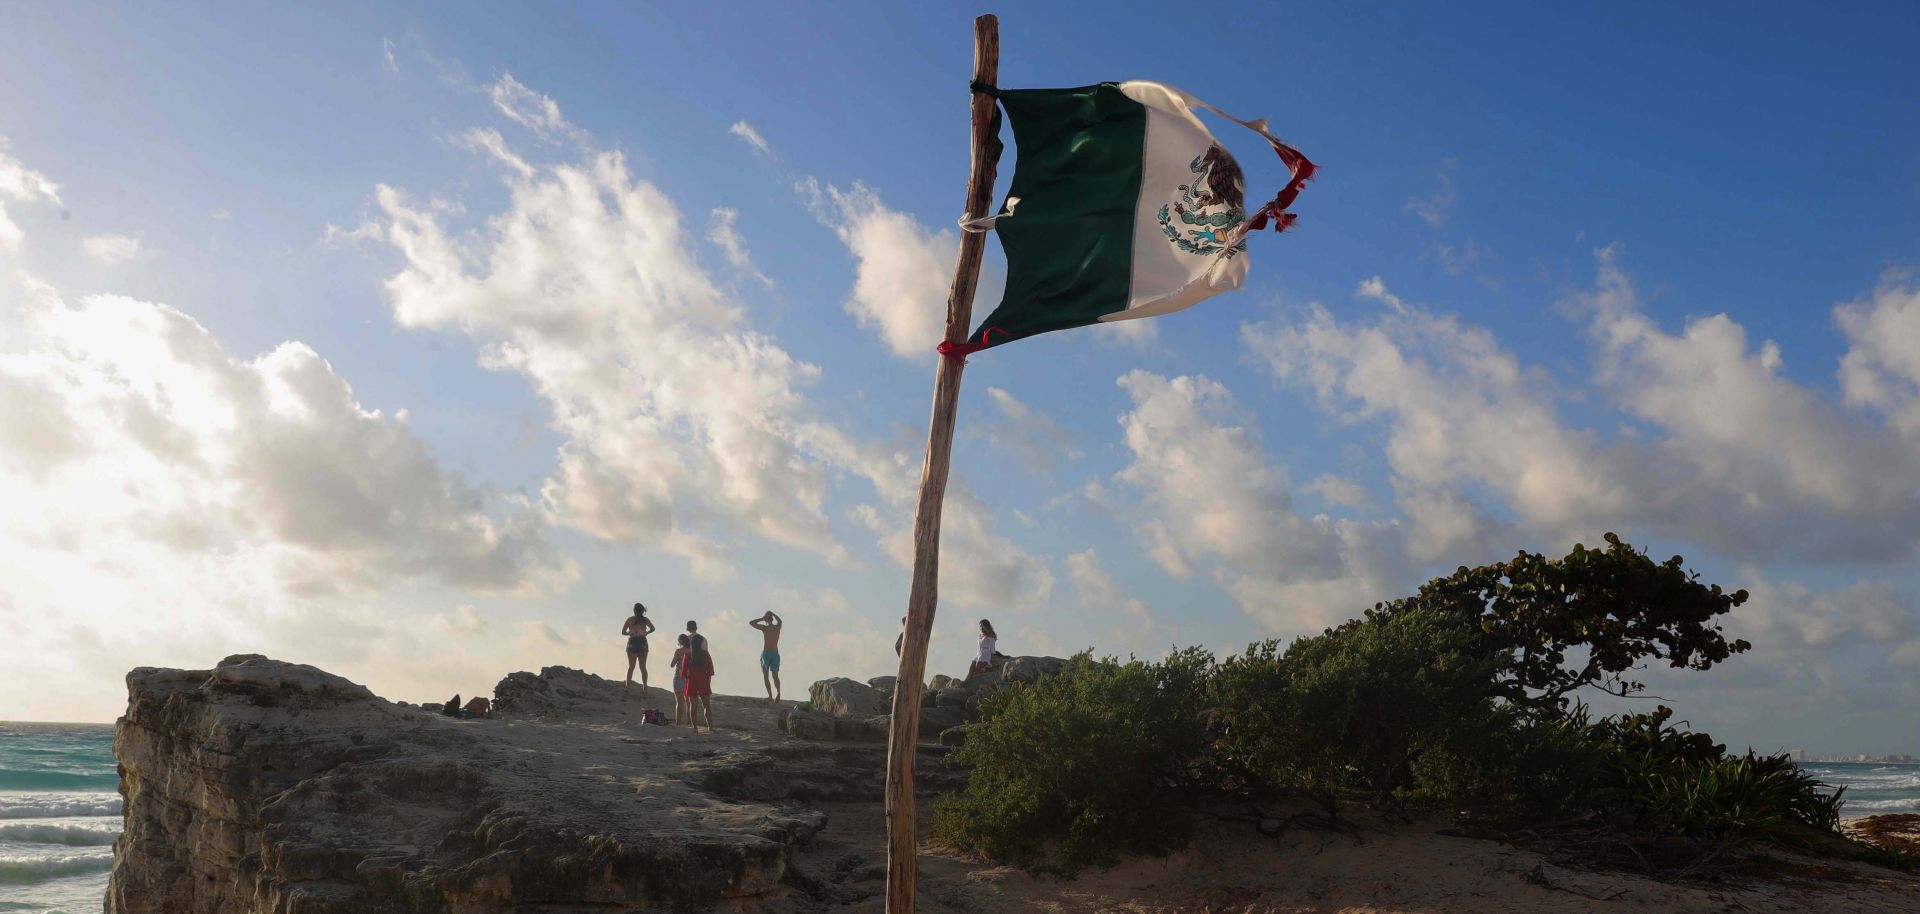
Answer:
(986, 628)
(640, 610)
(683, 640)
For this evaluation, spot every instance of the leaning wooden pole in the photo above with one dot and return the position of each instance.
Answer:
(903, 741)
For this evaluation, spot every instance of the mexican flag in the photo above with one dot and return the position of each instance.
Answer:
(1123, 205)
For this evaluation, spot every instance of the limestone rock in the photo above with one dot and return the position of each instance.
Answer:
(1031, 669)
(843, 697)
(873, 729)
(883, 684)
(952, 697)
(273, 787)
(943, 681)
(935, 720)
(806, 724)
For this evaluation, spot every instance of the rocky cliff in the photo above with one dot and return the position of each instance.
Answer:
(271, 787)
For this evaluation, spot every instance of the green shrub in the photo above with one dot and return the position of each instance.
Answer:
(1460, 696)
(1396, 706)
(1642, 773)
(1726, 799)
(1080, 768)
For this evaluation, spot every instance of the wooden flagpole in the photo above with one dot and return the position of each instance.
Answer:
(903, 740)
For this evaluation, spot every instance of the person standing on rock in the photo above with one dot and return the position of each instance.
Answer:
(679, 665)
(698, 670)
(987, 640)
(637, 628)
(770, 626)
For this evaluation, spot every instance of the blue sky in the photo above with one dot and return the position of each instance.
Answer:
(1639, 269)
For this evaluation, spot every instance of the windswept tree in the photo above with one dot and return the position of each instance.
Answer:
(1610, 610)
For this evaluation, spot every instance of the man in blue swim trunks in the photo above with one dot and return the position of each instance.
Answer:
(769, 626)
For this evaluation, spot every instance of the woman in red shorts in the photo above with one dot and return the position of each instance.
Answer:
(698, 670)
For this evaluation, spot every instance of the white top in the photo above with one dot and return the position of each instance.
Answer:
(986, 648)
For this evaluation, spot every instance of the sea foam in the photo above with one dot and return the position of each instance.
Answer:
(58, 805)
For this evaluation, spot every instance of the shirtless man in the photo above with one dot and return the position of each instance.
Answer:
(769, 626)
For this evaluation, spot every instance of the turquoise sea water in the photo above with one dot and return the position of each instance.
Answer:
(59, 814)
(1872, 788)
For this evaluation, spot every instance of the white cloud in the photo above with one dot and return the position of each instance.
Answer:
(24, 185)
(745, 131)
(1338, 491)
(680, 422)
(138, 425)
(1029, 432)
(905, 269)
(386, 53)
(978, 569)
(112, 249)
(533, 110)
(488, 141)
(1881, 370)
(1435, 208)
(1733, 454)
(1138, 333)
(1213, 499)
(1825, 665)
(721, 231)
(169, 502)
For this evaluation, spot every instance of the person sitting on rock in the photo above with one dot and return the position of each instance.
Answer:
(678, 664)
(900, 640)
(637, 628)
(770, 626)
(698, 670)
(987, 639)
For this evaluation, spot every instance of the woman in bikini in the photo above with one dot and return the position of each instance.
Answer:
(637, 628)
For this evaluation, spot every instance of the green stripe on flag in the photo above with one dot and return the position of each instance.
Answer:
(1070, 249)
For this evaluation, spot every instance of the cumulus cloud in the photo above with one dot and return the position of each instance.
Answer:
(170, 502)
(112, 249)
(138, 423)
(978, 568)
(900, 288)
(745, 131)
(1881, 370)
(682, 427)
(20, 184)
(679, 420)
(535, 111)
(1028, 432)
(1138, 334)
(1826, 663)
(1338, 491)
(1214, 500)
(721, 231)
(1726, 450)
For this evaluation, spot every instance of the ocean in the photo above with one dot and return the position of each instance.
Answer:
(59, 814)
(1872, 788)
